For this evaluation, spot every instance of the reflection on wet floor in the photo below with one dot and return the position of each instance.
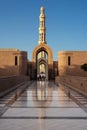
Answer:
(48, 97)
(43, 100)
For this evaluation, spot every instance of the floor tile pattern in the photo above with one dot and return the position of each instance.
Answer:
(44, 106)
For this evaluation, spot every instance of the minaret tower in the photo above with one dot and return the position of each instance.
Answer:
(42, 28)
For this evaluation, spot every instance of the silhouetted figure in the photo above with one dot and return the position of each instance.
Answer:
(38, 76)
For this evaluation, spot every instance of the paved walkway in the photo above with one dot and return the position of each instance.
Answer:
(44, 106)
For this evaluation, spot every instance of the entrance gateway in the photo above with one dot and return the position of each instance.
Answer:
(42, 57)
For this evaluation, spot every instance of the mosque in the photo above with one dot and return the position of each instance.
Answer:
(14, 62)
(57, 102)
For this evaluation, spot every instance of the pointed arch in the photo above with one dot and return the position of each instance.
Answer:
(43, 47)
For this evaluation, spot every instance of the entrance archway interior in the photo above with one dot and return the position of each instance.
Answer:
(42, 63)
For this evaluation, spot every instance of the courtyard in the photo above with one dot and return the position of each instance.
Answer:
(43, 105)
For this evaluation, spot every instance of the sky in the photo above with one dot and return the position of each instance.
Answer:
(66, 25)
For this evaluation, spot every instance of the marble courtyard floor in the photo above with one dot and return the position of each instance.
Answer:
(43, 106)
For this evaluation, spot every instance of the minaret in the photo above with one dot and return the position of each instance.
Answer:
(42, 28)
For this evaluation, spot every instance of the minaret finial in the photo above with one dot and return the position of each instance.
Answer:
(42, 28)
(42, 10)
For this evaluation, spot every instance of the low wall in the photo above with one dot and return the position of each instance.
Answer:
(9, 82)
(75, 82)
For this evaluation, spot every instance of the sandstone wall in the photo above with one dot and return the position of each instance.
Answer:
(77, 58)
(55, 68)
(12, 62)
(75, 82)
(9, 82)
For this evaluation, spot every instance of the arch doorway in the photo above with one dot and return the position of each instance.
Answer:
(42, 63)
(42, 59)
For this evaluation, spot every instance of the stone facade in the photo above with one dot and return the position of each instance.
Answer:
(42, 56)
(13, 62)
(77, 83)
(47, 49)
(70, 72)
(10, 82)
(69, 63)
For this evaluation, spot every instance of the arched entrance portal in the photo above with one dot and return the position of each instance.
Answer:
(42, 63)
(42, 59)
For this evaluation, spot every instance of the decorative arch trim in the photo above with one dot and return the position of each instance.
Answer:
(43, 47)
